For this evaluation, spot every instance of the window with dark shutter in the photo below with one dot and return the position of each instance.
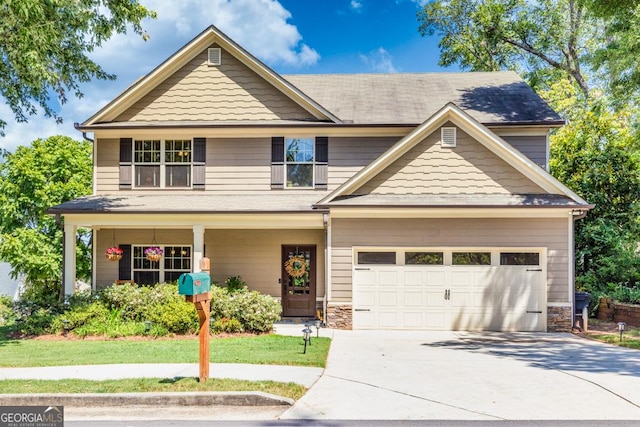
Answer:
(199, 163)
(126, 146)
(322, 162)
(277, 162)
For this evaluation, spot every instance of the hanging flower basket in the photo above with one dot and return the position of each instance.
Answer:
(153, 253)
(114, 253)
(296, 266)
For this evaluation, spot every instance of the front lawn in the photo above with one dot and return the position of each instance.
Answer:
(260, 349)
(607, 332)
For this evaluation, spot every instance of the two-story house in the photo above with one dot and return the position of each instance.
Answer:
(393, 201)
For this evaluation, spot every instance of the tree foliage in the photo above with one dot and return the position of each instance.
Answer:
(33, 179)
(44, 47)
(594, 155)
(545, 38)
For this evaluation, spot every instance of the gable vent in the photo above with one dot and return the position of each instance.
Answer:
(448, 137)
(215, 56)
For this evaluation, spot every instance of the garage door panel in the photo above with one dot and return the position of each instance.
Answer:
(436, 278)
(413, 320)
(435, 298)
(413, 299)
(388, 278)
(387, 299)
(366, 298)
(414, 279)
(388, 319)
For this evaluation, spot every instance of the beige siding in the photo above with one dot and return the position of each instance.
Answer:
(107, 165)
(500, 232)
(532, 146)
(347, 156)
(229, 92)
(244, 164)
(255, 255)
(468, 168)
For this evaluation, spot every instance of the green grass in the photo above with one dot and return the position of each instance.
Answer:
(630, 338)
(260, 349)
(139, 385)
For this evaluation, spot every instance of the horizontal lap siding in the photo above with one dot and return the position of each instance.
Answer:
(107, 165)
(235, 164)
(468, 168)
(532, 146)
(503, 232)
(229, 92)
(255, 255)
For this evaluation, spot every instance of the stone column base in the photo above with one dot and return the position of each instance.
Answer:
(559, 319)
(340, 316)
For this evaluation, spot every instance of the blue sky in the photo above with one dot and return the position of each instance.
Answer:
(291, 36)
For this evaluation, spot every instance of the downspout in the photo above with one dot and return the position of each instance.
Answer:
(76, 125)
(575, 215)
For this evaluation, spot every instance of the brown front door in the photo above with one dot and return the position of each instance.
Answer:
(298, 280)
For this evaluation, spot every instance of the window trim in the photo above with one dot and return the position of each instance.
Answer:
(162, 164)
(313, 163)
(161, 269)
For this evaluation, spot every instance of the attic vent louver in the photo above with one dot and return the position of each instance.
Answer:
(215, 56)
(448, 137)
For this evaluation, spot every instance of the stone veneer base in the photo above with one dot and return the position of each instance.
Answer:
(559, 319)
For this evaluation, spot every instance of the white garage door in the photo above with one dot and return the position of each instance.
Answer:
(450, 290)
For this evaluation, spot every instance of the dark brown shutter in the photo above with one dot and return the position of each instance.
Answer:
(277, 162)
(322, 162)
(124, 265)
(126, 168)
(199, 163)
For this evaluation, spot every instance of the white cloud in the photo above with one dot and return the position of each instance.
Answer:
(260, 26)
(379, 61)
(356, 5)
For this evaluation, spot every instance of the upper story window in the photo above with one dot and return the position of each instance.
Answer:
(299, 159)
(162, 163)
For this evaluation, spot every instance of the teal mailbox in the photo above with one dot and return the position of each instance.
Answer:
(194, 283)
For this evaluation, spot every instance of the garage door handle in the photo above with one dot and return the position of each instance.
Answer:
(362, 269)
(361, 309)
(534, 311)
(534, 269)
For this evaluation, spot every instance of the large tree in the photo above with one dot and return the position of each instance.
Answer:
(546, 39)
(33, 179)
(44, 48)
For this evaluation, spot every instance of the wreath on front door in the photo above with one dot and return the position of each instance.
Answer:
(296, 266)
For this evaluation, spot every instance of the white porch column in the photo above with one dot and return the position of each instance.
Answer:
(69, 258)
(198, 246)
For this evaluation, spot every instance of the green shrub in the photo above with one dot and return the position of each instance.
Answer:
(80, 315)
(176, 316)
(235, 283)
(38, 323)
(256, 312)
(226, 325)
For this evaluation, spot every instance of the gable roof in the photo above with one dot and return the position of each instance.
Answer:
(491, 98)
(451, 112)
(202, 41)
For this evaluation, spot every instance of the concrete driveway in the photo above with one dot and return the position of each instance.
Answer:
(473, 376)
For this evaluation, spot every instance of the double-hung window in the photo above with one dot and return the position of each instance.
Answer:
(162, 163)
(175, 261)
(299, 159)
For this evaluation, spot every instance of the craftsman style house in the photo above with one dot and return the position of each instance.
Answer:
(390, 201)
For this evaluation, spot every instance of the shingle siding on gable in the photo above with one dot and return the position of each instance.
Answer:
(469, 168)
(229, 92)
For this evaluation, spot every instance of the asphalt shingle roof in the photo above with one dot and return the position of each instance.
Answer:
(411, 98)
